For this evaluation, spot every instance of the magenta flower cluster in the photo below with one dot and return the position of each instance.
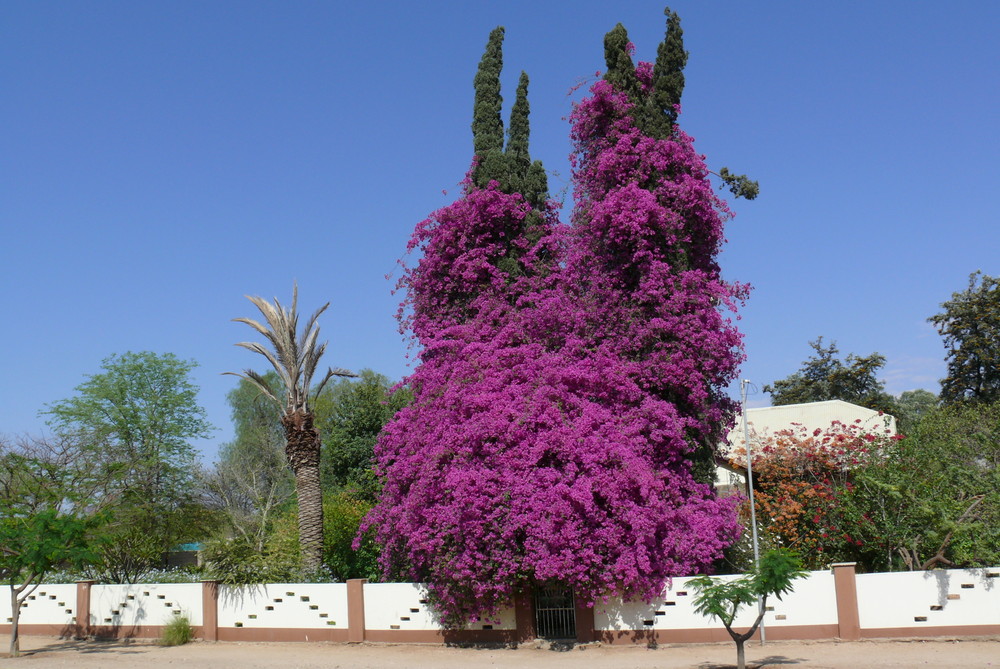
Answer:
(567, 375)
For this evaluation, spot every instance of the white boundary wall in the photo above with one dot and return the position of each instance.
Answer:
(403, 606)
(943, 602)
(284, 606)
(812, 602)
(953, 597)
(49, 604)
(144, 604)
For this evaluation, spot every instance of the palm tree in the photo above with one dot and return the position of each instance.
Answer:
(294, 357)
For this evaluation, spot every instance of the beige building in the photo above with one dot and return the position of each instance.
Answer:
(763, 422)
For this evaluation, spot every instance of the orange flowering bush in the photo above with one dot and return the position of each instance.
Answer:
(803, 490)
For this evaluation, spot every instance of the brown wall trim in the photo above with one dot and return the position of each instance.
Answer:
(82, 608)
(442, 636)
(524, 616)
(356, 609)
(624, 637)
(713, 635)
(281, 634)
(936, 630)
(210, 610)
(61, 631)
(846, 586)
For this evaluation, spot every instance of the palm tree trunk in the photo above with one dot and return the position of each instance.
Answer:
(302, 448)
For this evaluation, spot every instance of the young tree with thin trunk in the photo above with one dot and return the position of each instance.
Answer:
(295, 356)
(723, 598)
(47, 516)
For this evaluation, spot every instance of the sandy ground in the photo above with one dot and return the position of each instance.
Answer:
(46, 652)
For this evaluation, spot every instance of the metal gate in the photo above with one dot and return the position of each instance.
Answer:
(555, 613)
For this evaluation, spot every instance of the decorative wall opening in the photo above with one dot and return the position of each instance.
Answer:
(555, 613)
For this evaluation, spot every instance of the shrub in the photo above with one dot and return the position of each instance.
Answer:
(238, 562)
(342, 515)
(177, 632)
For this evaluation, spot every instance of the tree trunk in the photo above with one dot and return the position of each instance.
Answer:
(302, 448)
(15, 615)
(741, 639)
(310, 517)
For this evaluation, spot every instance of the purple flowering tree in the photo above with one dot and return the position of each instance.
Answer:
(647, 229)
(561, 401)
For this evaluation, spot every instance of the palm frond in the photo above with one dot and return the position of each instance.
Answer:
(257, 380)
(311, 330)
(294, 355)
(262, 329)
(330, 373)
(280, 330)
(310, 363)
(262, 350)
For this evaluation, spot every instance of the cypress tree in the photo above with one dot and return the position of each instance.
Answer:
(522, 175)
(512, 166)
(518, 129)
(654, 108)
(668, 80)
(621, 69)
(487, 125)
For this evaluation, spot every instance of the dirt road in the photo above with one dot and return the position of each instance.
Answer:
(46, 653)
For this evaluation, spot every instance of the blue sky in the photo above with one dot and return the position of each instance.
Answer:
(162, 159)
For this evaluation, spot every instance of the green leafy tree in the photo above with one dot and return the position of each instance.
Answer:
(44, 522)
(933, 498)
(912, 406)
(342, 516)
(352, 414)
(32, 545)
(723, 598)
(970, 327)
(251, 481)
(295, 356)
(824, 376)
(136, 420)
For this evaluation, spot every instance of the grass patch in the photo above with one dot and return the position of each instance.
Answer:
(177, 632)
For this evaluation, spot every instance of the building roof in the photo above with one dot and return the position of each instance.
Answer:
(810, 415)
(766, 421)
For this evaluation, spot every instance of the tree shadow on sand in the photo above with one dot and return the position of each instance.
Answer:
(89, 646)
(763, 663)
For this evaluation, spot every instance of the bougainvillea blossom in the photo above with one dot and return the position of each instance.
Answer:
(647, 229)
(568, 378)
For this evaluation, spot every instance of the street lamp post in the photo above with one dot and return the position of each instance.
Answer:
(753, 513)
